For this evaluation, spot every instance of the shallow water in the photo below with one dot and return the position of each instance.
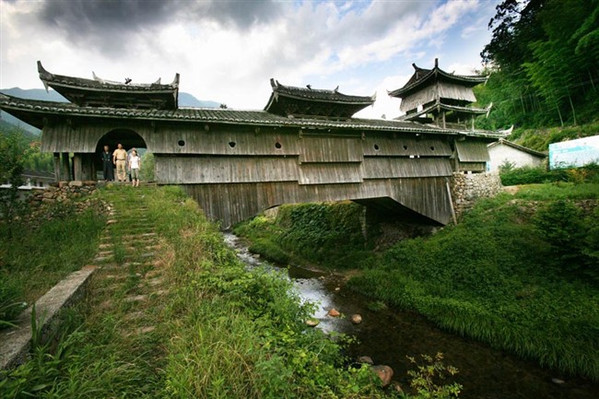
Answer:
(389, 335)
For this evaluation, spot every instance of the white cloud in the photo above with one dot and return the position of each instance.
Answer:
(228, 55)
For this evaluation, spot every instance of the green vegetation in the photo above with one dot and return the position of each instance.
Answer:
(327, 234)
(36, 254)
(35, 257)
(221, 331)
(147, 166)
(534, 175)
(543, 73)
(26, 147)
(520, 272)
(540, 138)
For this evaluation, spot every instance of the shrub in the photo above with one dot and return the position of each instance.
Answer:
(10, 301)
(563, 226)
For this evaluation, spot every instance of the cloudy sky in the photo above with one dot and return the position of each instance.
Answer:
(227, 51)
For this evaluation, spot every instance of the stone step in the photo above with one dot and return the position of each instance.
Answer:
(135, 298)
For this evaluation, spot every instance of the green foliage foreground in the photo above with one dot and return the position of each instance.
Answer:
(519, 272)
(221, 331)
(36, 255)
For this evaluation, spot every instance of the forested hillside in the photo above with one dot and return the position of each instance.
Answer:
(542, 62)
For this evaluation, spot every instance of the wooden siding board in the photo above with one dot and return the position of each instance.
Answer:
(472, 166)
(441, 90)
(331, 173)
(215, 141)
(404, 146)
(216, 169)
(386, 168)
(472, 151)
(232, 203)
(330, 149)
(420, 97)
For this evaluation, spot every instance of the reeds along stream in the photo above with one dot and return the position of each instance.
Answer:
(388, 336)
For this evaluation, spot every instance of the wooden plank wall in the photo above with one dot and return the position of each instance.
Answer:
(236, 172)
(232, 203)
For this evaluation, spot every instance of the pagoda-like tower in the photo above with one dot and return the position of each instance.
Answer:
(298, 102)
(98, 92)
(439, 97)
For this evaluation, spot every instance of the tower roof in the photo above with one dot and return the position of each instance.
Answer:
(299, 101)
(424, 77)
(98, 92)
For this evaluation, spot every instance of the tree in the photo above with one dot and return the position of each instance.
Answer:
(546, 51)
(13, 150)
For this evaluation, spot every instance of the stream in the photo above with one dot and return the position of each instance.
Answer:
(389, 335)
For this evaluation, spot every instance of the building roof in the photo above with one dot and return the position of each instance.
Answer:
(99, 92)
(35, 112)
(424, 77)
(299, 101)
(436, 107)
(517, 147)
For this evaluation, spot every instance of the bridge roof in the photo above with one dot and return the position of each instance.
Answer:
(300, 101)
(423, 77)
(34, 112)
(98, 92)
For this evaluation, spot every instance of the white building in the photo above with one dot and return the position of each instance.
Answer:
(503, 151)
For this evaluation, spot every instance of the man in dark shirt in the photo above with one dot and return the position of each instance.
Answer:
(107, 164)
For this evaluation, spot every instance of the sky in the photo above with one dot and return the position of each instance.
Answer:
(227, 51)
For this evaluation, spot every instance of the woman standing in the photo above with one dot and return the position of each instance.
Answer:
(134, 165)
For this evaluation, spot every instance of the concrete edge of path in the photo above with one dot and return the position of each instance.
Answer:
(15, 342)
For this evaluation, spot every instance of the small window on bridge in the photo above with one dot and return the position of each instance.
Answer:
(405, 147)
(376, 147)
(181, 143)
(278, 145)
(232, 144)
(432, 148)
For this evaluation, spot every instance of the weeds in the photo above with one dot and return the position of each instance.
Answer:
(33, 260)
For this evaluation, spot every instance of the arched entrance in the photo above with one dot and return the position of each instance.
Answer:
(127, 137)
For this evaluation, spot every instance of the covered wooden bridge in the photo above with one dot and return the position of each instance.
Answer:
(304, 146)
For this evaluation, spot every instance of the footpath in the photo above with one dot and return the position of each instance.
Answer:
(128, 283)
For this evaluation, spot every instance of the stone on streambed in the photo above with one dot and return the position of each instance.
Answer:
(334, 313)
(365, 360)
(356, 318)
(312, 322)
(558, 381)
(385, 373)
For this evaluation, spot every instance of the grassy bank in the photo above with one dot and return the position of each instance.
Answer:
(34, 256)
(540, 138)
(212, 329)
(327, 234)
(520, 272)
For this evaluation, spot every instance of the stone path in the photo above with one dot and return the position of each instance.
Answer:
(129, 284)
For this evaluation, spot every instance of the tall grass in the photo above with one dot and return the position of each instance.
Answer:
(496, 277)
(34, 258)
(221, 331)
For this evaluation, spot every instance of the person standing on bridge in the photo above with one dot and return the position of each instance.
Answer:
(134, 165)
(119, 157)
(107, 164)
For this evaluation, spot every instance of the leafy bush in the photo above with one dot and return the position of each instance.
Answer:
(508, 274)
(428, 379)
(570, 235)
(537, 175)
(11, 304)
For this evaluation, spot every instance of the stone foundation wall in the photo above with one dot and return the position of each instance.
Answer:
(467, 188)
(74, 196)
